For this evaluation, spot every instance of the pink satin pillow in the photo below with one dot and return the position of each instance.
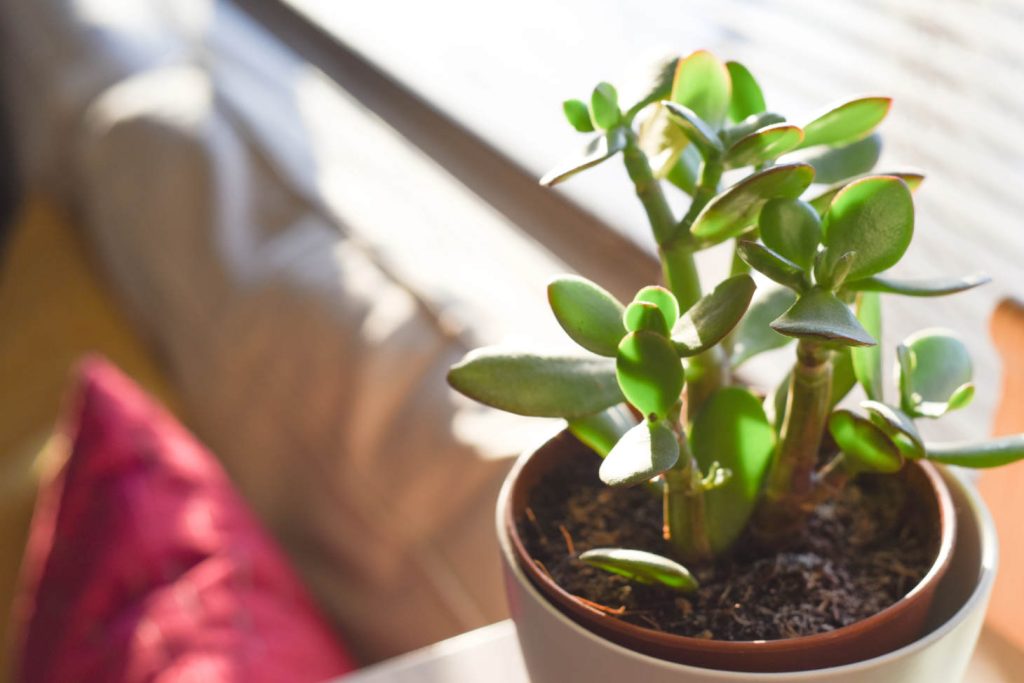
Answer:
(144, 564)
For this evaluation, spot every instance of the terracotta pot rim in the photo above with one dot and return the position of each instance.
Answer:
(548, 587)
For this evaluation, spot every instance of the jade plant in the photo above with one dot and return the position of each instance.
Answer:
(655, 391)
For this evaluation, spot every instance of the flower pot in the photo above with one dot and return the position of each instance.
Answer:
(909, 641)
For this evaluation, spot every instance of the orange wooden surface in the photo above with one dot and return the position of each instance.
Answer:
(1003, 488)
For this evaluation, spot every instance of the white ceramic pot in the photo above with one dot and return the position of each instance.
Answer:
(558, 650)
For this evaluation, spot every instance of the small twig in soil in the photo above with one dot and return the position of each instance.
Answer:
(530, 515)
(568, 540)
(615, 611)
(540, 566)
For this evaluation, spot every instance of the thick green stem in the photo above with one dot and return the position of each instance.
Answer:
(685, 516)
(788, 493)
(680, 272)
(648, 190)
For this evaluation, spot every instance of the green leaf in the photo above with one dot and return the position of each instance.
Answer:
(660, 88)
(578, 115)
(649, 372)
(779, 400)
(934, 372)
(930, 287)
(846, 123)
(747, 98)
(991, 453)
(867, 360)
(590, 315)
(536, 384)
(820, 202)
(663, 299)
(840, 163)
(698, 131)
(736, 209)
(898, 426)
(604, 106)
(773, 265)
(843, 379)
(732, 430)
(754, 336)
(601, 431)
(600, 148)
(873, 217)
(866, 447)
(702, 83)
(642, 567)
(643, 315)
(819, 315)
(684, 171)
(715, 315)
(763, 145)
(753, 123)
(644, 452)
(791, 227)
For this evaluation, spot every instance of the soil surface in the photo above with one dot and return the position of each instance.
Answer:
(857, 558)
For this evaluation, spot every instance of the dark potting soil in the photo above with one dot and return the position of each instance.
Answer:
(859, 555)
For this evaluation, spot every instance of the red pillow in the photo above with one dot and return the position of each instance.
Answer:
(144, 564)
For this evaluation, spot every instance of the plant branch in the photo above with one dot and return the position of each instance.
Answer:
(790, 482)
(685, 514)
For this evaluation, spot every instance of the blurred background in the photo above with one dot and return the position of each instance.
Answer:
(286, 219)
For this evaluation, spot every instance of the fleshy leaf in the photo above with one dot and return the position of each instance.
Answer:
(747, 98)
(843, 379)
(779, 399)
(867, 360)
(702, 83)
(589, 314)
(792, 228)
(818, 314)
(578, 115)
(840, 163)
(990, 453)
(644, 315)
(773, 265)
(642, 567)
(847, 122)
(683, 174)
(755, 122)
(873, 217)
(601, 431)
(866, 447)
(698, 131)
(649, 372)
(709, 320)
(604, 106)
(820, 202)
(754, 336)
(663, 299)
(930, 287)
(732, 430)
(536, 384)
(644, 452)
(898, 426)
(764, 145)
(736, 209)
(600, 148)
(934, 372)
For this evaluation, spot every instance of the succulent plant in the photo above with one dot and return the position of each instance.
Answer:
(656, 393)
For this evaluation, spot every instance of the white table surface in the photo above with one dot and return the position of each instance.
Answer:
(491, 655)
